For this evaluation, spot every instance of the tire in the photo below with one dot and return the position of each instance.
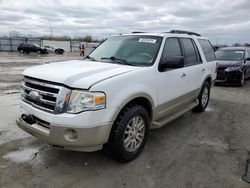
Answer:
(21, 51)
(38, 52)
(127, 140)
(242, 79)
(203, 98)
(56, 51)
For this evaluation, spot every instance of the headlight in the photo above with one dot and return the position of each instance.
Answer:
(228, 69)
(83, 101)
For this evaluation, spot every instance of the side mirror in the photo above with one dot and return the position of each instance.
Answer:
(247, 59)
(172, 62)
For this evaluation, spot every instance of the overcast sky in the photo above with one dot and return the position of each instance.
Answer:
(228, 20)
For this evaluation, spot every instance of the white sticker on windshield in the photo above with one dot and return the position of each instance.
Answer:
(239, 52)
(153, 41)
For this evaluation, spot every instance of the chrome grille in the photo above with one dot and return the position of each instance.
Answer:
(41, 94)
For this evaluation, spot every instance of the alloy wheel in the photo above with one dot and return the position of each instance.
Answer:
(134, 134)
(204, 98)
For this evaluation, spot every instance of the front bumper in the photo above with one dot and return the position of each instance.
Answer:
(229, 76)
(88, 138)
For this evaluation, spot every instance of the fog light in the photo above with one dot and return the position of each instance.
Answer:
(70, 135)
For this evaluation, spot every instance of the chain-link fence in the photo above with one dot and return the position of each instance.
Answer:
(10, 44)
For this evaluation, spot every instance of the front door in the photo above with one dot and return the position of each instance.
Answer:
(171, 82)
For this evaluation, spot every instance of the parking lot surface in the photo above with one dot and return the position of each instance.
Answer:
(196, 150)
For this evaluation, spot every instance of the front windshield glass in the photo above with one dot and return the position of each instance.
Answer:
(36, 45)
(230, 55)
(132, 50)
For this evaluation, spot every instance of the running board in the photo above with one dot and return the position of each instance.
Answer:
(169, 118)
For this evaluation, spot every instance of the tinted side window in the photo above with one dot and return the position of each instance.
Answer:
(172, 48)
(190, 52)
(198, 56)
(207, 49)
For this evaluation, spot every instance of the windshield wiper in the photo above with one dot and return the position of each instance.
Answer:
(91, 58)
(123, 61)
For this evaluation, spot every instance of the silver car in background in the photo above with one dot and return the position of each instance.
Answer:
(54, 49)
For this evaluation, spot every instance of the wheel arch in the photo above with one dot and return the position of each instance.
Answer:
(142, 99)
(207, 79)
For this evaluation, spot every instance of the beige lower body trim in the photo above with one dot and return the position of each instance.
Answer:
(88, 139)
(169, 108)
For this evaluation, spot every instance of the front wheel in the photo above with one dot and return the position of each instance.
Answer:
(129, 134)
(242, 79)
(203, 98)
(39, 52)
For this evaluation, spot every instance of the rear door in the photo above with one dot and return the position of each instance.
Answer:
(208, 57)
(29, 48)
(33, 48)
(25, 47)
(195, 70)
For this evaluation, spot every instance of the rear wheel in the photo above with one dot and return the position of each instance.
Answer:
(203, 98)
(21, 51)
(39, 52)
(129, 134)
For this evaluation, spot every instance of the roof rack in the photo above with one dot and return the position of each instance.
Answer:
(185, 32)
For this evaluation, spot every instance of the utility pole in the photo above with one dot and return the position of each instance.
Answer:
(52, 32)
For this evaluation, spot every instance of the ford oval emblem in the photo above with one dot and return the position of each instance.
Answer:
(34, 95)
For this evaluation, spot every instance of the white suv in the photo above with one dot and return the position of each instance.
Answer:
(129, 84)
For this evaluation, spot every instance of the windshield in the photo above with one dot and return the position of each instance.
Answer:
(132, 50)
(36, 45)
(230, 55)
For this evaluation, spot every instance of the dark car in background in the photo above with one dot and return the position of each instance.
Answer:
(54, 49)
(233, 65)
(27, 48)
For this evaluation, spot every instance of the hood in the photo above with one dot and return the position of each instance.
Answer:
(77, 73)
(223, 63)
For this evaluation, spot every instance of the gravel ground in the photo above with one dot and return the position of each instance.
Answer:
(196, 150)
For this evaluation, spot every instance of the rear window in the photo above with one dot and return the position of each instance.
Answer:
(207, 49)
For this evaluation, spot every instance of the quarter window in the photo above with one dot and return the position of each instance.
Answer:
(207, 49)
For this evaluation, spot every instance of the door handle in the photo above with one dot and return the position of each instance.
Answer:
(183, 75)
(203, 69)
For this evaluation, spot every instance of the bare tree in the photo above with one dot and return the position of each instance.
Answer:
(15, 34)
(237, 44)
